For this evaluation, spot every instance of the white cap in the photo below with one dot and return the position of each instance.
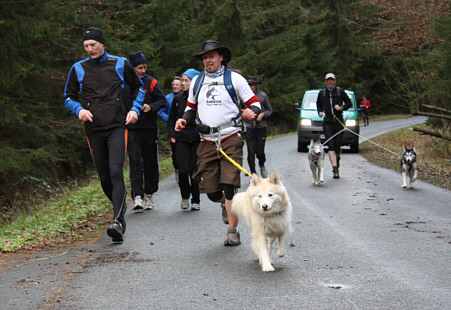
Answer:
(330, 76)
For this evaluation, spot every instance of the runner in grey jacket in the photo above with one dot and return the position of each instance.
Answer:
(255, 133)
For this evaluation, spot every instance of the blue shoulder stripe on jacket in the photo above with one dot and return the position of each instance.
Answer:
(120, 68)
(70, 104)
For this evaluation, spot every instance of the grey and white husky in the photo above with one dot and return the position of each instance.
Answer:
(409, 166)
(316, 161)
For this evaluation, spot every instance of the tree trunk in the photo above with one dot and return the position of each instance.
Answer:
(447, 117)
(432, 133)
(437, 108)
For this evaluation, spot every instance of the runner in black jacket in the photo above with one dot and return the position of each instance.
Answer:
(186, 142)
(143, 137)
(99, 79)
(331, 102)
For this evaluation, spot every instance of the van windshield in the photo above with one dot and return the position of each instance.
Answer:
(310, 101)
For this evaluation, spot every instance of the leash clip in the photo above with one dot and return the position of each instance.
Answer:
(237, 121)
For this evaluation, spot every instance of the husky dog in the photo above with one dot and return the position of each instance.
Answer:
(267, 209)
(409, 166)
(316, 161)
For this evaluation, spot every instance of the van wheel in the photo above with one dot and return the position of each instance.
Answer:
(355, 147)
(302, 147)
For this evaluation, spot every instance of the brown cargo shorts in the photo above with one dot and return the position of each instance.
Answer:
(214, 169)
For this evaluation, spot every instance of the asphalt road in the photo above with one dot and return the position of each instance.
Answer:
(360, 242)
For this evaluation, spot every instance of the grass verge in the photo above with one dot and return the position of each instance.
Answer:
(74, 217)
(68, 219)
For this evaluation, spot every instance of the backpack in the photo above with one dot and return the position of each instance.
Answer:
(227, 82)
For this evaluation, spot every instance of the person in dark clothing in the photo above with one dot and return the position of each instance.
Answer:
(186, 143)
(143, 138)
(331, 102)
(99, 80)
(255, 133)
(164, 114)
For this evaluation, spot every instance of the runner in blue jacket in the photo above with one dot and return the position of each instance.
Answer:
(98, 82)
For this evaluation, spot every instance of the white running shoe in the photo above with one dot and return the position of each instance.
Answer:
(185, 204)
(138, 203)
(195, 207)
(148, 203)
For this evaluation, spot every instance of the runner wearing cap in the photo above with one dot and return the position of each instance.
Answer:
(331, 102)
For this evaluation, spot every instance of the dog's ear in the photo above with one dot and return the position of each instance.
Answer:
(311, 142)
(255, 179)
(413, 148)
(274, 178)
(405, 149)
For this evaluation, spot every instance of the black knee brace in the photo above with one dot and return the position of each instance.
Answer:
(229, 191)
(215, 197)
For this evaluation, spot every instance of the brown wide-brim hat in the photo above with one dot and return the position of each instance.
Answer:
(212, 45)
(252, 80)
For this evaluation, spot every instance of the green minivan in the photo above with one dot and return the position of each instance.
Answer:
(311, 125)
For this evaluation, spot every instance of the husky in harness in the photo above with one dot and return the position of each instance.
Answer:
(316, 161)
(409, 166)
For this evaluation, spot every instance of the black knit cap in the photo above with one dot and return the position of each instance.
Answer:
(137, 58)
(93, 33)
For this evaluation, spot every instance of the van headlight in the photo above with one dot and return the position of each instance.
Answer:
(351, 123)
(306, 122)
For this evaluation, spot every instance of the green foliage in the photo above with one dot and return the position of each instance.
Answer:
(440, 59)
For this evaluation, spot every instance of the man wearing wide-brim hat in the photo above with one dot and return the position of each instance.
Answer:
(214, 110)
(212, 45)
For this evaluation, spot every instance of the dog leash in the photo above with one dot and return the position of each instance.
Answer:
(219, 148)
(346, 128)
(235, 163)
(325, 142)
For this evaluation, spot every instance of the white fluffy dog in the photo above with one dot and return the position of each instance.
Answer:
(267, 210)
